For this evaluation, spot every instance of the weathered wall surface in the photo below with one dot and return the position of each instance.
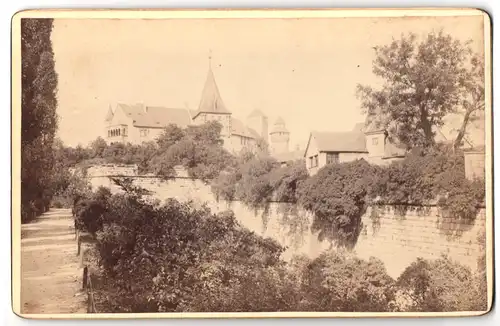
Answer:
(397, 240)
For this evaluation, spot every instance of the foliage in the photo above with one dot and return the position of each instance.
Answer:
(428, 175)
(285, 181)
(39, 118)
(254, 187)
(423, 81)
(336, 196)
(89, 211)
(440, 285)
(172, 257)
(197, 148)
(340, 282)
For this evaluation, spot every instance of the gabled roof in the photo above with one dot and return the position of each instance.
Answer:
(239, 128)
(348, 142)
(211, 101)
(155, 116)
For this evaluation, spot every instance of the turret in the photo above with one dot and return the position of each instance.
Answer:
(280, 137)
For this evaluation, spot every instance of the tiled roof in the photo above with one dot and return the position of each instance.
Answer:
(211, 101)
(352, 141)
(156, 117)
(239, 128)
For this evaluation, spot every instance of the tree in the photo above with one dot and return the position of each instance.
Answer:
(438, 285)
(422, 82)
(473, 100)
(39, 118)
(98, 146)
(337, 281)
(198, 148)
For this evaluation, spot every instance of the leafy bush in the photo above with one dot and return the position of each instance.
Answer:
(285, 181)
(425, 176)
(166, 257)
(171, 257)
(340, 282)
(441, 285)
(89, 211)
(336, 196)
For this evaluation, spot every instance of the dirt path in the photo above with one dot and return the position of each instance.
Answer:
(51, 275)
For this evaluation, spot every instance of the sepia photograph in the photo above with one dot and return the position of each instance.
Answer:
(251, 163)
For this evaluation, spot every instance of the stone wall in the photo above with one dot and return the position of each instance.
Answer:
(395, 238)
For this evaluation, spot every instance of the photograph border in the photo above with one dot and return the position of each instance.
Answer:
(236, 14)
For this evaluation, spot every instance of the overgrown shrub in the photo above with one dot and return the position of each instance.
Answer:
(337, 281)
(285, 181)
(441, 285)
(171, 257)
(336, 196)
(89, 211)
(166, 257)
(430, 176)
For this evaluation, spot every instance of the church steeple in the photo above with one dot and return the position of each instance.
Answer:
(211, 101)
(109, 114)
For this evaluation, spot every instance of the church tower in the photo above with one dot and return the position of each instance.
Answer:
(258, 122)
(280, 137)
(211, 107)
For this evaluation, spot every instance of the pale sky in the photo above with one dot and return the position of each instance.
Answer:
(304, 70)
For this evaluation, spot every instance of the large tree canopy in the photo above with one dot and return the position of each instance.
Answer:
(422, 82)
(39, 118)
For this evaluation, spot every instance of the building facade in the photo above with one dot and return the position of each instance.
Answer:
(371, 144)
(140, 123)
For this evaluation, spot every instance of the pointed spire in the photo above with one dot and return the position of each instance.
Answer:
(211, 101)
(109, 114)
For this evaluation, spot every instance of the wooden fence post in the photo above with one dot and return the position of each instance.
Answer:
(85, 276)
(79, 245)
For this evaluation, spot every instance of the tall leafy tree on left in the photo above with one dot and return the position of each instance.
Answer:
(39, 117)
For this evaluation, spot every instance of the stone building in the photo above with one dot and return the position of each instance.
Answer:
(138, 123)
(371, 144)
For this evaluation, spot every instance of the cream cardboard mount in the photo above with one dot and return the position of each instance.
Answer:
(251, 163)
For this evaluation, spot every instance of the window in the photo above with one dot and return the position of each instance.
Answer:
(124, 131)
(109, 133)
(143, 132)
(313, 161)
(332, 158)
(374, 141)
